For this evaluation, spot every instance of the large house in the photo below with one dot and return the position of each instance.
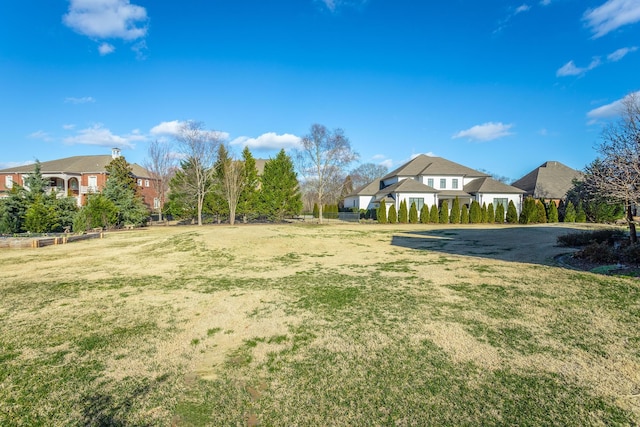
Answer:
(79, 176)
(549, 181)
(427, 180)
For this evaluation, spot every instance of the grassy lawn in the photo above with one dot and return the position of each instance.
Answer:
(314, 325)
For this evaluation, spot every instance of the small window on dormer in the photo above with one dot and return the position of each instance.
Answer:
(443, 183)
(146, 182)
(454, 184)
(8, 181)
(139, 183)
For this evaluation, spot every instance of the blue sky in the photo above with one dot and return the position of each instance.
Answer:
(501, 86)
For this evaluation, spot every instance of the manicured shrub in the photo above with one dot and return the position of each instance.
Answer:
(541, 211)
(393, 214)
(475, 213)
(382, 213)
(491, 215)
(581, 216)
(569, 212)
(464, 215)
(444, 213)
(413, 214)
(552, 212)
(403, 214)
(512, 213)
(434, 214)
(316, 210)
(529, 212)
(424, 214)
(499, 214)
(484, 214)
(582, 238)
(454, 218)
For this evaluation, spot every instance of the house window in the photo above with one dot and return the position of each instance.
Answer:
(139, 183)
(8, 181)
(443, 183)
(156, 203)
(430, 182)
(93, 184)
(146, 182)
(503, 202)
(454, 183)
(419, 201)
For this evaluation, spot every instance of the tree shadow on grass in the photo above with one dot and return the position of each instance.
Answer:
(534, 244)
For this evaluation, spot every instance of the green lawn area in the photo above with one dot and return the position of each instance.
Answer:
(312, 325)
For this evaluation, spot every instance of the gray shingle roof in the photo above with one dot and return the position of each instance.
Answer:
(77, 164)
(369, 189)
(428, 165)
(551, 180)
(490, 185)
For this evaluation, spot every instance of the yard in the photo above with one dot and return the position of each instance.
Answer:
(316, 325)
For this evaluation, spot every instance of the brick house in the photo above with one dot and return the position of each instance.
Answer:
(79, 176)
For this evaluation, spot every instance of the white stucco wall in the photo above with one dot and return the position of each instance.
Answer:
(488, 198)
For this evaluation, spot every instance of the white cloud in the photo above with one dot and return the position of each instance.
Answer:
(522, 8)
(106, 48)
(83, 100)
(545, 2)
(269, 141)
(7, 165)
(333, 5)
(104, 19)
(570, 69)
(607, 111)
(69, 127)
(388, 163)
(485, 132)
(103, 137)
(171, 128)
(621, 53)
(612, 15)
(41, 135)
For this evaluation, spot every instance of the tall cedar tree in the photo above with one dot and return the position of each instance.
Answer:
(183, 201)
(249, 196)
(552, 212)
(475, 213)
(491, 214)
(316, 211)
(569, 212)
(581, 216)
(122, 190)
(322, 159)
(382, 212)
(499, 214)
(413, 214)
(403, 214)
(455, 212)
(484, 214)
(424, 214)
(280, 195)
(444, 213)
(393, 214)
(464, 215)
(512, 213)
(529, 212)
(434, 214)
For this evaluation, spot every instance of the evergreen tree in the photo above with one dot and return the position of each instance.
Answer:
(382, 212)
(249, 196)
(552, 212)
(434, 214)
(454, 218)
(569, 212)
(121, 189)
(14, 209)
(581, 216)
(34, 184)
(464, 215)
(413, 214)
(39, 216)
(562, 206)
(475, 213)
(99, 212)
(444, 213)
(403, 214)
(541, 216)
(491, 215)
(484, 215)
(512, 213)
(424, 214)
(393, 214)
(529, 212)
(316, 210)
(500, 214)
(280, 195)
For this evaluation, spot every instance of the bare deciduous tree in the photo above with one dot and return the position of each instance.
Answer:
(161, 165)
(199, 147)
(616, 173)
(230, 180)
(322, 160)
(367, 172)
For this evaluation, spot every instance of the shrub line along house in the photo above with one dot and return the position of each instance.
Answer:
(78, 177)
(427, 180)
